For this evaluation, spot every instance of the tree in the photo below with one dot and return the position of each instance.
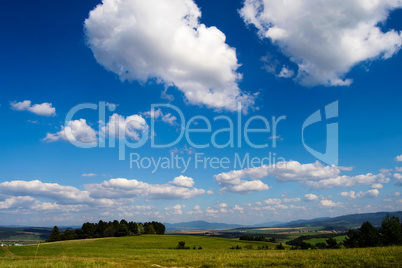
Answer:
(182, 245)
(331, 243)
(123, 230)
(100, 228)
(55, 235)
(88, 229)
(391, 231)
(352, 239)
(133, 227)
(70, 235)
(368, 236)
(280, 247)
(109, 231)
(305, 245)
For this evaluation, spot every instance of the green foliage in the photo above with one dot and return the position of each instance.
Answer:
(153, 251)
(391, 231)
(321, 245)
(280, 247)
(368, 236)
(332, 243)
(107, 229)
(182, 245)
(55, 235)
(352, 239)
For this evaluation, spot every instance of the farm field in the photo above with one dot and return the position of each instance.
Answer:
(158, 251)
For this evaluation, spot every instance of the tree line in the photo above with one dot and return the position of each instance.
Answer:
(107, 229)
(257, 238)
(390, 233)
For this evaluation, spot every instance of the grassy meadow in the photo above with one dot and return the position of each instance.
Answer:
(158, 251)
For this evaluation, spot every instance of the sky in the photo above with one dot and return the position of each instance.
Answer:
(226, 111)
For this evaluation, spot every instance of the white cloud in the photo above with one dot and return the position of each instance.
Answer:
(345, 181)
(76, 130)
(377, 186)
(16, 202)
(325, 39)
(329, 203)
(272, 201)
(59, 193)
(122, 127)
(398, 178)
(353, 195)
(165, 42)
(398, 158)
(222, 205)
(177, 209)
(44, 109)
(195, 210)
(28, 204)
(124, 188)
(310, 197)
(234, 184)
(286, 73)
(88, 175)
(183, 181)
(316, 175)
(167, 118)
(291, 200)
(295, 171)
(238, 208)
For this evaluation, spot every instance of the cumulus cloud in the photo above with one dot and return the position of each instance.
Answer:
(286, 73)
(238, 208)
(310, 197)
(329, 203)
(167, 118)
(183, 181)
(272, 201)
(59, 193)
(232, 182)
(398, 158)
(195, 210)
(325, 39)
(18, 204)
(75, 130)
(44, 109)
(291, 200)
(377, 186)
(122, 127)
(124, 188)
(88, 175)
(315, 175)
(353, 195)
(177, 209)
(398, 178)
(345, 181)
(165, 42)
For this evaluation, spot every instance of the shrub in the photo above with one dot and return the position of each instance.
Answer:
(182, 245)
(280, 247)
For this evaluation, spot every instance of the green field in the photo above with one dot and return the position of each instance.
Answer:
(313, 241)
(158, 251)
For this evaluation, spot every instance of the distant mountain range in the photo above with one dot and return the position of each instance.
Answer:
(348, 221)
(341, 222)
(199, 225)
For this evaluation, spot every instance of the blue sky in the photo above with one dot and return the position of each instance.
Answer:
(203, 58)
